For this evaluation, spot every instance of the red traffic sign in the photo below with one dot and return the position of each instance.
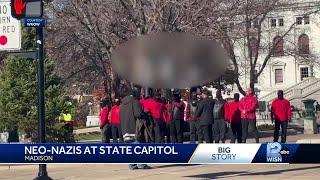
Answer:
(26, 8)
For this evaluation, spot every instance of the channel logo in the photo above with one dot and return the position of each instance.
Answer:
(275, 152)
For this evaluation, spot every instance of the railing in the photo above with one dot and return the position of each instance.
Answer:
(310, 89)
(300, 91)
(269, 96)
(289, 91)
(293, 94)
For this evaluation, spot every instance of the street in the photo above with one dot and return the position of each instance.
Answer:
(120, 171)
(171, 171)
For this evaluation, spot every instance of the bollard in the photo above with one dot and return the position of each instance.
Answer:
(309, 120)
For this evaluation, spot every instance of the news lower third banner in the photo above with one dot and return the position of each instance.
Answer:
(159, 153)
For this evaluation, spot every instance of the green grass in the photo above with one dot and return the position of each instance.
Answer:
(88, 136)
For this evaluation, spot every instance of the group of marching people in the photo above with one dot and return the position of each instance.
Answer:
(159, 120)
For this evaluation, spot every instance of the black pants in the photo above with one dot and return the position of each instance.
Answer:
(148, 130)
(176, 131)
(236, 132)
(106, 133)
(206, 133)
(194, 131)
(167, 133)
(159, 130)
(116, 133)
(245, 124)
(284, 126)
(219, 130)
(13, 135)
(68, 136)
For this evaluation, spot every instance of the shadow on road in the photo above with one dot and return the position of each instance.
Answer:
(245, 173)
(175, 165)
(217, 175)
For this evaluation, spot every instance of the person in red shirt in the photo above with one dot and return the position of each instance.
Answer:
(156, 108)
(115, 122)
(280, 114)
(144, 103)
(233, 116)
(147, 120)
(166, 116)
(104, 122)
(247, 106)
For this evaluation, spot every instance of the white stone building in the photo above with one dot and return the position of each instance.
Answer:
(294, 66)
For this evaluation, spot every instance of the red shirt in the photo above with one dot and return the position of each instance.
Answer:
(281, 109)
(167, 114)
(114, 115)
(155, 108)
(144, 103)
(104, 116)
(232, 113)
(247, 106)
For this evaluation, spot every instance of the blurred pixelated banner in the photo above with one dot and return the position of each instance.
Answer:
(159, 153)
(26, 8)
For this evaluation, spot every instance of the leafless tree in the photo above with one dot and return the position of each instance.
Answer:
(83, 33)
(239, 30)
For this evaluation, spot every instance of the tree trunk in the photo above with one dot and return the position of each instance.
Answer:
(107, 89)
(252, 78)
(116, 86)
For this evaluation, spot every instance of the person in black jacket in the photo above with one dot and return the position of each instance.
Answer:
(176, 125)
(190, 115)
(130, 112)
(205, 114)
(219, 126)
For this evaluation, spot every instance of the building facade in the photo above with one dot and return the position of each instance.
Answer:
(293, 33)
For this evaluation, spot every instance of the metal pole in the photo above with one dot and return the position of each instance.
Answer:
(42, 174)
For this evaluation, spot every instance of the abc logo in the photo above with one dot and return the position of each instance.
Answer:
(284, 152)
(275, 152)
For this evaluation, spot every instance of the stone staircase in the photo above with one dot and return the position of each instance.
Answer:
(297, 92)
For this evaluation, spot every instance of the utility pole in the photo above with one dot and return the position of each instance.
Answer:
(42, 174)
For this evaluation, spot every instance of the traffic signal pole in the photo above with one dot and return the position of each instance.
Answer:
(42, 174)
(35, 10)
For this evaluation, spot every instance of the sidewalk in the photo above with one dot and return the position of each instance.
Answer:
(161, 172)
(86, 130)
(290, 139)
(267, 136)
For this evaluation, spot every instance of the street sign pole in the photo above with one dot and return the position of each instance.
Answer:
(42, 174)
(31, 11)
